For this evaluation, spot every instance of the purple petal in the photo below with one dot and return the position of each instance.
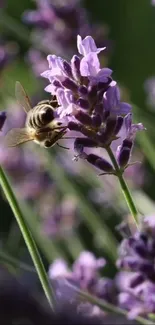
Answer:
(111, 98)
(90, 65)
(50, 89)
(134, 129)
(87, 45)
(69, 96)
(128, 121)
(58, 268)
(46, 74)
(70, 110)
(52, 61)
(61, 97)
(149, 221)
(124, 108)
(103, 74)
(56, 65)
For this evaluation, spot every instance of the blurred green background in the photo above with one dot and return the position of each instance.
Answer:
(98, 205)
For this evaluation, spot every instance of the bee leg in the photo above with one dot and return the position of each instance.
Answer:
(62, 146)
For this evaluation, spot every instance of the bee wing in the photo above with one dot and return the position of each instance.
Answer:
(16, 137)
(22, 97)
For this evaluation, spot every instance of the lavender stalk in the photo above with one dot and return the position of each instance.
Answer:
(124, 187)
(104, 305)
(27, 237)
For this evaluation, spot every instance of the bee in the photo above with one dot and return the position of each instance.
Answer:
(41, 126)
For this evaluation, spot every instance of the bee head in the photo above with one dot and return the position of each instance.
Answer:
(48, 144)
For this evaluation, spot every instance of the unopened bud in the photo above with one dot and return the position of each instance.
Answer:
(96, 120)
(69, 84)
(83, 117)
(124, 156)
(84, 142)
(108, 133)
(100, 163)
(119, 124)
(73, 126)
(83, 91)
(67, 69)
(83, 103)
(92, 91)
(127, 143)
(110, 125)
(75, 64)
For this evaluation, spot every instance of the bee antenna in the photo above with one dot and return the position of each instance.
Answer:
(62, 146)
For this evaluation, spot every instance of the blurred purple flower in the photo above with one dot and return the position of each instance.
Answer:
(85, 269)
(137, 284)
(149, 88)
(84, 275)
(59, 217)
(56, 26)
(8, 51)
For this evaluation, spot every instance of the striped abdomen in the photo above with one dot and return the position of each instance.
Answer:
(40, 116)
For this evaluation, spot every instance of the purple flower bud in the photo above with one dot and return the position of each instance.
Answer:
(81, 143)
(127, 143)
(105, 115)
(2, 119)
(84, 118)
(110, 125)
(147, 268)
(73, 126)
(118, 124)
(108, 132)
(136, 280)
(92, 91)
(99, 109)
(85, 269)
(104, 85)
(67, 69)
(69, 84)
(105, 289)
(129, 262)
(100, 163)
(143, 236)
(83, 103)
(100, 95)
(83, 90)
(75, 65)
(123, 157)
(96, 119)
(139, 248)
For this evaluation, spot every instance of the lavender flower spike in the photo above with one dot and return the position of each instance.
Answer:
(90, 103)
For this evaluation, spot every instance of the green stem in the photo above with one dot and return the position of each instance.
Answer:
(106, 306)
(27, 236)
(124, 187)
